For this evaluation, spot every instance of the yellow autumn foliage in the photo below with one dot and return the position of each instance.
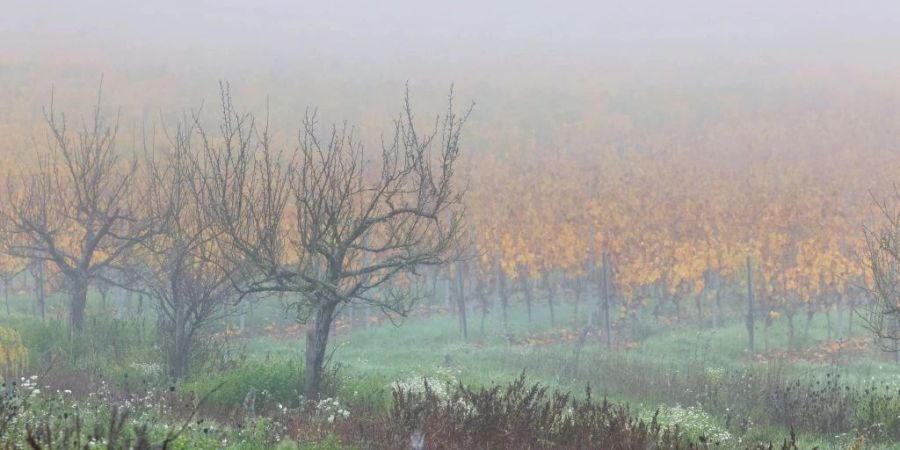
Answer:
(13, 354)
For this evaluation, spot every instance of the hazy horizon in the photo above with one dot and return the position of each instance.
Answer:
(396, 39)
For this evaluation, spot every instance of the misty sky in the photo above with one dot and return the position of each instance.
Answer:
(275, 31)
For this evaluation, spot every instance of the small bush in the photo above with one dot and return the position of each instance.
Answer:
(270, 383)
(517, 416)
(275, 382)
(692, 422)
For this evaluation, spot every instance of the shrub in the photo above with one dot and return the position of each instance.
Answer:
(276, 382)
(13, 354)
(267, 384)
(517, 416)
(692, 422)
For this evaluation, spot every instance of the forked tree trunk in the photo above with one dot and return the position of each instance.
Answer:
(316, 344)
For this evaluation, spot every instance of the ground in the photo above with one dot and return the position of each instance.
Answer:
(703, 380)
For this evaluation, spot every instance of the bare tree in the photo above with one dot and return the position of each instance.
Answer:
(324, 223)
(180, 267)
(882, 257)
(81, 210)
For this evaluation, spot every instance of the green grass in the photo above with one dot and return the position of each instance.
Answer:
(371, 359)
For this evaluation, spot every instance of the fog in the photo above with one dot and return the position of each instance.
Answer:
(526, 224)
(447, 39)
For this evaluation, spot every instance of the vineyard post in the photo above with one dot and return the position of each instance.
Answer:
(368, 310)
(480, 291)
(718, 316)
(6, 282)
(850, 305)
(896, 342)
(840, 315)
(445, 290)
(548, 281)
(501, 292)
(750, 324)
(461, 299)
(703, 295)
(592, 261)
(432, 294)
(526, 288)
(122, 295)
(606, 295)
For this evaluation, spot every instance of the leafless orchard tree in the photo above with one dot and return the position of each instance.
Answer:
(324, 226)
(81, 210)
(882, 257)
(181, 267)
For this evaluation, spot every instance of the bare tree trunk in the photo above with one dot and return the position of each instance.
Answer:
(551, 294)
(526, 288)
(242, 318)
(504, 296)
(896, 342)
(122, 300)
(481, 292)
(698, 300)
(461, 301)
(840, 316)
(717, 318)
(589, 277)
(528, 298)
(663, 295)
(589, 294)
(104, 293)
(607, 323)
(850, 306)
(790, 318)
(178, 357)
(432, 298)
(77, 305)
(6, 295)
(316, 344)
(446, 291)
(578, 287)
(676, 300)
